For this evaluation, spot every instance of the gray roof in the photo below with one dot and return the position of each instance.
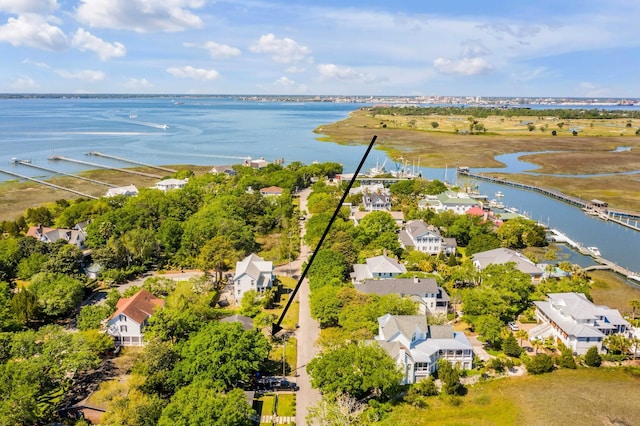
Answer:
(253, 266)
(504, 255)
(403, 287)
(384, 263)
(247, 323)
(417, 228)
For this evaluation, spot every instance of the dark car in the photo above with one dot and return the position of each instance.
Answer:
(287, 385)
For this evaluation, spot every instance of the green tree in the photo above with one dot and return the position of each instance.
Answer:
(566, 359)
(218, 254)
(91, 316)
(435, 124)
(359, 370)
(57, 294)
(617, 344)
(449, 375)
(341, 411)
(250, 304)
(328, 268)
(635, 305)
(510, 346)
(223, 352)
(541, 363)
(204, 403)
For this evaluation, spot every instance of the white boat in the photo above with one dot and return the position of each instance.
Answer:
(499, 194)
(378, 169)
(594, 251)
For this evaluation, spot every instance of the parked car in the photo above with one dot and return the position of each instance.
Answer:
(287, 385)
(513, 326)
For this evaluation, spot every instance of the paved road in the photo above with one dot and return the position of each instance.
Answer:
(307, 334)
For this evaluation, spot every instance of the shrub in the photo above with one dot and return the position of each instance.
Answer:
(592, 358)
(541, 363)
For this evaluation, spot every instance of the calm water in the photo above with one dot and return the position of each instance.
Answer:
(221, 131)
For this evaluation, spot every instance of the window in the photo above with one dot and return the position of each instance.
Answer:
(122, 318)
(123, 328)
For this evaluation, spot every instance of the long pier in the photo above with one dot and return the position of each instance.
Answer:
(101, 166)
(45, 183)
(604, 264)
(126, 160)
(24, 163)
(613, 215)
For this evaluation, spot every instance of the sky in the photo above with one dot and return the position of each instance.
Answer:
(542, 48)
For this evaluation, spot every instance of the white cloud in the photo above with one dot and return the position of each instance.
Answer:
(84, 40)
(295, 69)
(283, 50)
(464, 66)
(33, 31)
(37, 64)
(140, 15)
(332, 71)
(85, 75)
(28, 6)
(217, 50)
(194, 73)
(23, 83)
(138, 83)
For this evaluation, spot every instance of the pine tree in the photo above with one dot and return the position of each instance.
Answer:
(592, 358)
(510, 346)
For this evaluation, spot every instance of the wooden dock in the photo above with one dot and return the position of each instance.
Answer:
(126, 160)
(45, 183)
(621, 217)
(29, 164)
(102, 166)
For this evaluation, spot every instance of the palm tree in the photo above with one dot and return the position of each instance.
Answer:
(522, 334)
(537, 344)
(635, 304)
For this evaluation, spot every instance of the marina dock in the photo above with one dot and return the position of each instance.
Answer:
(29, 164)
(604, 264)
(45, 183)
(101, 166)
(126, 160)
(621, 217)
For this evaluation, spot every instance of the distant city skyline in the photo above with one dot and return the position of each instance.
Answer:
(577, 49)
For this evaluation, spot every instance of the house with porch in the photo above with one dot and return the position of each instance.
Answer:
(572, 319)
(252, 273)
(75, 236)
(457, 202)
(431, 298)
(416, 346)
(422, 237)
(378, 267)
(169, 184)
(127, 323)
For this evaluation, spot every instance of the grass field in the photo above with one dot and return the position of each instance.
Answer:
(613, 291)
(593, 151)
(577, 397)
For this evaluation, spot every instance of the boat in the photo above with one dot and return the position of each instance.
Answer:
(499, 194)
(594, 251)
(378, 169)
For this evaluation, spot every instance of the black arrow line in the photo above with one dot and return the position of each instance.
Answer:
(275, 328)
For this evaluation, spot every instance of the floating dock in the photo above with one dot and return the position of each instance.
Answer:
(101, 166)
(29, 164)
(126, 160)
(45, 183)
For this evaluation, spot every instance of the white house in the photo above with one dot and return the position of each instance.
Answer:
(169, 184)
(416, 346)
(576, 322)
(378, 267)
(501, 256)
(129, 191)
(422, 237)
(75, 236)
(457, 202)
(127, 323)
(252, 273)
(431, 299)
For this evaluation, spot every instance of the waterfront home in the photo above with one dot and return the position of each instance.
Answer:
(457, 202)
(226, 169)
(252, 273)
(128, 191)
(416, 346)
(51, 235)
(169, 184)
(431, 298)
(422, 237)
(260, 163)
(501, 256)
(572, 319)
(127, 323)
(378, 267)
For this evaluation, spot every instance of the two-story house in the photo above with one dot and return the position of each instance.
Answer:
(416, 346)
(252, 273)
(378, 267)
(422, 237)
(75, 236)
(501, 256)
(127, 323)
(576, 322)
(431, 298)
(457, 202)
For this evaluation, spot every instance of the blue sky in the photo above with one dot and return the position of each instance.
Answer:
(415, 47)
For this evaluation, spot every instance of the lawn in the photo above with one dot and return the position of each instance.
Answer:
(286, 405)
(580, 397)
